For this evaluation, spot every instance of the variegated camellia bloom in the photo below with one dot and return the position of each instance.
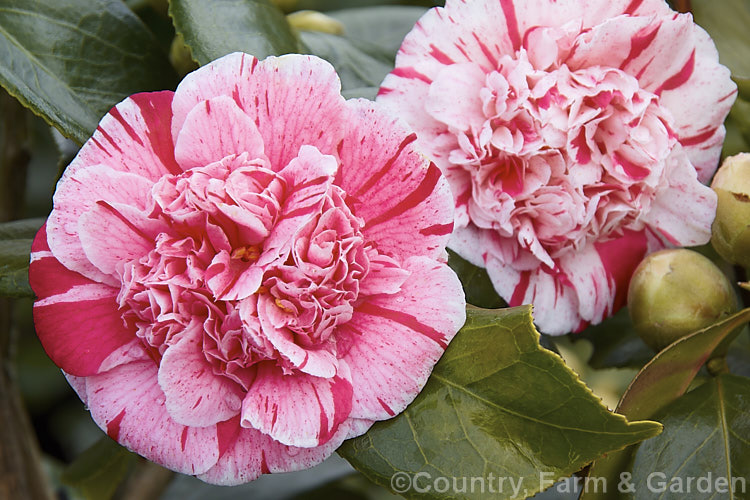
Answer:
(576, 136)
(241, 274)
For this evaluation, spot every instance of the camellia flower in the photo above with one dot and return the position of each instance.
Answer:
(239, 275)
(575, 135)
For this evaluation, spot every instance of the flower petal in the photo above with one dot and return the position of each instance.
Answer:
(213, 130)
(254, 453)
(195, 396)
(79, 190)
(297, 409)
(128, 404)
(76, 319)
(683, 209)
(400, 195)
(275, 87)
(393, 341)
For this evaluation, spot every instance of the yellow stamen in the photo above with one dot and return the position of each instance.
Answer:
(282, 306)
(249, 253)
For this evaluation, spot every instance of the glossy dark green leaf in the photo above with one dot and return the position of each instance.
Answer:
(220, 27)
(359, 64)
(705, 436)
(616, 345)
(496, 403)
(476, 282)
(664, 379)
(96, 473)
(738, 356)
(15, 246)
(382, 26)
(70, 61)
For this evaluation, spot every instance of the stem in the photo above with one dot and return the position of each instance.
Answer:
(683, 5)
(21, 474)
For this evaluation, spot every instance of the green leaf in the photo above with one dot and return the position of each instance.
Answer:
(382, 26)
(664, 379)
(98, 471)
(358, 64)
(15, 246)
(616, 345)
(220, 27)
(705, 432)
(496, 403)
(70, 61)
(476, 282)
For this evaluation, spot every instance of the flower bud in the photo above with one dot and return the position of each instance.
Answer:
(731, 228)
(310, 20)
(677, 292)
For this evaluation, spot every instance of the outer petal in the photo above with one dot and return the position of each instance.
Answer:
(404, 200)
(295, 100)
(683, 209)
(128, 403)
(79, 190)
(254, 453)
(195, 396)
(76, 319)
(297, 409)
(393, 341)
(213, 130)
(711, 93)
(133, 137)
(112, 234)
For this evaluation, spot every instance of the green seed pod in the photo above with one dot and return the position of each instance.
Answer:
(730, 232)
(677, 292)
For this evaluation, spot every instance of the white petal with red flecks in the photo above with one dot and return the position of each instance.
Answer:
(305, 90)
(195, 396)
(295, 409)
(393, 341)
(128, 404)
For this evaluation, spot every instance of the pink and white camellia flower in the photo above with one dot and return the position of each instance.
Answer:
(575, 135)
(241, 274)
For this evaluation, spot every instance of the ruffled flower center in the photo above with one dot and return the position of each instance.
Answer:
(224, 234)
(557, 157)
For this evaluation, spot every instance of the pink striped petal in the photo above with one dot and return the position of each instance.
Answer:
(134, 137)
(318, 362)
(711, 93)
(297, 410)
(400, 195)
(309, 177)
(393, 341)
(79, 190)
(216, 129)
(254, 453)
(113, 233)
(277, 86)
(129, 405)
(684, 208)
(76, 319)
(195, 396)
